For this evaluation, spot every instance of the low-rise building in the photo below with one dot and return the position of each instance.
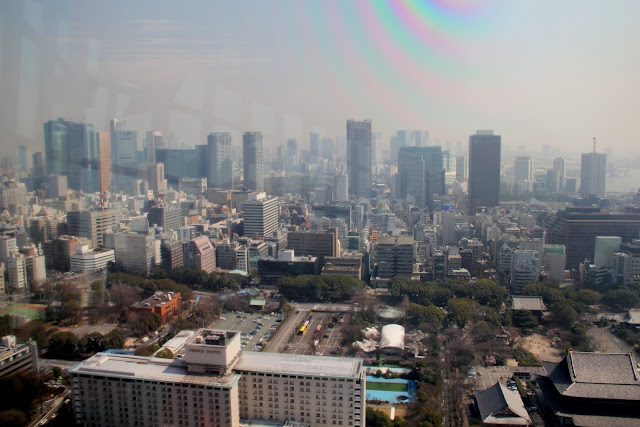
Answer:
(165, 304)
(86, 260)
(16, 358)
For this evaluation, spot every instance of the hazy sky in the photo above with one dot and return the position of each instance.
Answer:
(538, 72)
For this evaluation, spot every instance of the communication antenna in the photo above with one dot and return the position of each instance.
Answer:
(594, 145)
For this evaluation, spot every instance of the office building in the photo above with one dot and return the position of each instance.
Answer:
(39, 168)
(17, 273)
(12, 195)
(83, 158)
(18, 358)
(3, 288)
(34, 265)
(554, 261)
(157, 181)
(220, 164)
(359, 157)
(199, 254)
(525, 269)
(58, 251)
(252, 161)
(461, 168)
(172, 254)
(57, 186)
(124, 147)
(341, 187)
(421, 171)
(577, 227)
(261, 215)
(286, 264)
(603, 248)
(559, 174)
(169, 217)
(104, 161)
(182, 162)
(92, 224)
(215, 383)
(484, 170)
(86, 260)
(395, 256)
(316, 244)
(314, 148)
(593, 175)
(154, 140)
(135, 252)
(522, 169)
(56, 146)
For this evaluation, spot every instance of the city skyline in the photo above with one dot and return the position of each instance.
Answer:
(440, 66)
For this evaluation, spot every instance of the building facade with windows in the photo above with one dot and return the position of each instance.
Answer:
(214, 383)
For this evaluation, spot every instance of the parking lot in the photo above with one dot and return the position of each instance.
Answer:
(487, 377)
(255, 328)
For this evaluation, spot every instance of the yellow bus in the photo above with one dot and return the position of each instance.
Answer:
(302, 330)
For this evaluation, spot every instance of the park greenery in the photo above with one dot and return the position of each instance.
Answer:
(66, 345)
(319, 288)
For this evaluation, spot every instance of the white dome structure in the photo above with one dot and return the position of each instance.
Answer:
(392, 338)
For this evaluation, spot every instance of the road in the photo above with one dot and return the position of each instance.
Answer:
(54, 408)
(279, 342)
(604, 341)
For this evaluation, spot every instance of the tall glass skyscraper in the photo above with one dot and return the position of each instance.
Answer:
(252, 161)
(219, 165)
(484, 170)
(359, 157)
(421, 171)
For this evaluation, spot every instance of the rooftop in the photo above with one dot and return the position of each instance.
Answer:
(148, 368)
(532, 303)
(156, 299)
(296, 364)
(499, 405)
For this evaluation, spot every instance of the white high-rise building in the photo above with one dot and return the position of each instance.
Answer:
(341, 187)
(8, 247)
(154, 140)
(17, 273)
(525, 269)
(593, 174)
(522, 169)
(220, 164)
(261, 215)
(554, 261)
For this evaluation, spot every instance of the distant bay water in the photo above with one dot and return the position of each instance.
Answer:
(627, 183)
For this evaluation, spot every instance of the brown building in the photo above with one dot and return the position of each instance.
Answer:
(57, 252)
(172, 255)
(165, 304)
(104, 161)
(200, 254)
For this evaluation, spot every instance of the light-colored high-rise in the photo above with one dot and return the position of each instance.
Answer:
(341, 187)
(359, 157)
(92, 224)
(104, 161)
(220, 165)
(593, 174)
(525, 269)
(154, 140)
(522, 169)
(252, 161)
(261, 215)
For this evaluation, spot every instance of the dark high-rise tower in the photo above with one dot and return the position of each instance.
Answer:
(56, 148)
(484, 170)
(359, 157)
(252, 163)
(421, 172)
(219, 165)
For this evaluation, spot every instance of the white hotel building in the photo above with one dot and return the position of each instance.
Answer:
(216, 384)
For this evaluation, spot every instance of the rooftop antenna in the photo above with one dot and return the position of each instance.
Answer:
(594, 145)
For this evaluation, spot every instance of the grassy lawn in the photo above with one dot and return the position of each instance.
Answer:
(387, 386)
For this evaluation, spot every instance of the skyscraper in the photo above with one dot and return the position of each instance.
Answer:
(522, 169)
(154, 140)
(341, 187)
(220, 165)
(55, 146)
(252, 163)
(82, 173)
(558, 168)
(359, 157)
(314, 148)
(104, 161)
(123, 153)
(484, 170)
(421, 173)
(593, 174)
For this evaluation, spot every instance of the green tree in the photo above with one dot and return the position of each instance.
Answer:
(114, 339)
(588, 296)
(94, 343)
(165, 354)
(375, 418)
(525, 320)
(488, 292)
(460, 311)
(419, 314)
(64, 345)
(564, 314)
(623, 298)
